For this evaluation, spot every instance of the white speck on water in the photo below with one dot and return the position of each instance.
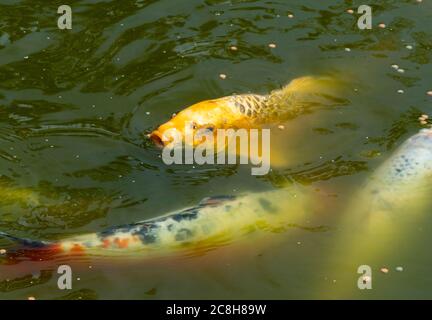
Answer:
(400, 91)
(147, 112)
(400, 269)
(384, 270)
(395, 66)
(26, 57)
(401, 70)
(409, 47)
(347, 49)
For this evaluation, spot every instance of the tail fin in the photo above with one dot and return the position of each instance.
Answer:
(27, 249)
(309, 91)
(26, 242)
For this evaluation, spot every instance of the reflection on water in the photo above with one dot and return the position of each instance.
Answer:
(75, 107)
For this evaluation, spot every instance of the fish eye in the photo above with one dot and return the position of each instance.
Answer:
(211, 129)
(194, 125)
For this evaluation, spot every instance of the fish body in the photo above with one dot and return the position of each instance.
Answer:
(249, 111)
(405, 176)
(214, 221)
(383, 217)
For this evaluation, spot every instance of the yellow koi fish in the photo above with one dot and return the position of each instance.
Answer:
(249, 111)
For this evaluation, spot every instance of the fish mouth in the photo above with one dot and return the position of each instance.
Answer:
(156, 137)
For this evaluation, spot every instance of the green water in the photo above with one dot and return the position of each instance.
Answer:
(75, 106)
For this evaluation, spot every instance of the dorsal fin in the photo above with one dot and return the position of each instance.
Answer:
(215, 200)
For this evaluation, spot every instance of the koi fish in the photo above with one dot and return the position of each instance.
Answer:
(214, 221)
(251, 110)
(384, 214)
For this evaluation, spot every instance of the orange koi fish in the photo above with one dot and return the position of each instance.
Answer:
(251, 110)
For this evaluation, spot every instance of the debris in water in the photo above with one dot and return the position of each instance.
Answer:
(31, 298)
(400, 269)
(222, 76)
(281, 127)
(382, 25)
(2, 251)
(272, 45)
(384, 270)
(350, 11)
(233, 48)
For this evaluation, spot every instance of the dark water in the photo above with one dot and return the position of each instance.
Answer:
(75, 106)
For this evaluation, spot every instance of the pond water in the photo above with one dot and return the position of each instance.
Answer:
(76, 105)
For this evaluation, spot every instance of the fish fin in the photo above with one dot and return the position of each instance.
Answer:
(25, 242)
(215, 200)
(302, 84)
(308, 92)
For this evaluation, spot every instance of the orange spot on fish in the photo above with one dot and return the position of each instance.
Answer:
(106, 243)
(76, 247)
(122, 243)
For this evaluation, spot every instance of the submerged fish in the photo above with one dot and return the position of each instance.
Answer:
(252, 110)
(404, 177)
(213, 222)
(381, 218)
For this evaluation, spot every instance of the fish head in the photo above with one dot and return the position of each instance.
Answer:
(206, 116)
